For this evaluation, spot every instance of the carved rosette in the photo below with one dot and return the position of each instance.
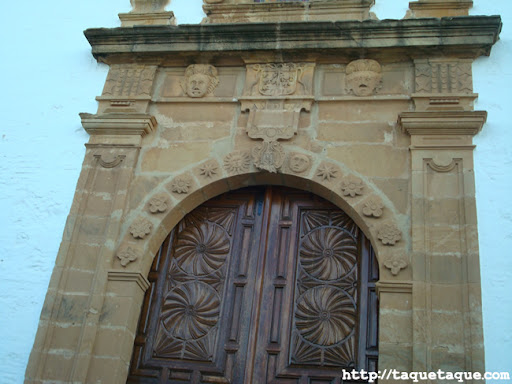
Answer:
(190, 311)
(127, 255)
(325, 315)
(395, 264)
(181, 184)
(209, 169)
(327, 172)
(202, 250)
(158, 204)
(352, 186)
(389, 234)
(373, 208)
(237, 162)
(140, 228)
(326, 299)
(194, 284)
(328, 253)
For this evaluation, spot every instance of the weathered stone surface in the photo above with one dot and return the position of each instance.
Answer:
(175, 157)
(393, 162)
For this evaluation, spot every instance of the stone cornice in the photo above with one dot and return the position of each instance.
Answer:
(469, 36)
(118, 123)
(442, 122)
(394, 287)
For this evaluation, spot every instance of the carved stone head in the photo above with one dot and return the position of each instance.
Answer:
(299, 162)
(200, 80)
(363, 77)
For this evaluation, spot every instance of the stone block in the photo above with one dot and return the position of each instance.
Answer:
(396, 190)
(92, 230)
(78, 281)
(448, 297)
(385, 161)
(72, 309)
(353, 132)
(175, 157)
(194, 112)
(354, 111)
(395, 326)
(58, 365)
(446, 269)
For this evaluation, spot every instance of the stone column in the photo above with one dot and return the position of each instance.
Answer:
(447, 320)
(68, 333)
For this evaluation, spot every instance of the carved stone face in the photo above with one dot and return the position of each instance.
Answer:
(299, 162)
(197, 85)
(363, 83)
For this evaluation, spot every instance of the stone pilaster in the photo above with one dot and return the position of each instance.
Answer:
(447, 320)
(395, 326)
(67, 334)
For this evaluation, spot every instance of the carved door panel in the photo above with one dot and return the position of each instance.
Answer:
(260, 285)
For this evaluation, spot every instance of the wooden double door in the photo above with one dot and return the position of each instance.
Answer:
(260, 285)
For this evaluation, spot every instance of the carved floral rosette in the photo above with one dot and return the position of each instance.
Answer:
(158, 204)
(195, 279)
(181, 184)
(326, 310)
(128, 254)
(140, 228)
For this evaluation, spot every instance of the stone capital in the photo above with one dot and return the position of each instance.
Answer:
(442, 129)
(138, 124)
(394, 287)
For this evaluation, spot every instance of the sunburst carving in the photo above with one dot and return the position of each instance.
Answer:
(190, 311)
(328, 253)
(325, 315)
(202, 249)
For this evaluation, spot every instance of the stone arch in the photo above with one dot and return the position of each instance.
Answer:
(136, 249)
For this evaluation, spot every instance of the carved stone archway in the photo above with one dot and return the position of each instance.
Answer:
(376, 117)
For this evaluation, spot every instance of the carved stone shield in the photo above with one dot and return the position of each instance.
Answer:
(278, 79)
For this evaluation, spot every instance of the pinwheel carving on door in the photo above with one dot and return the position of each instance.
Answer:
(260, 285)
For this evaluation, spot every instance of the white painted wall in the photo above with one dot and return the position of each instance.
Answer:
(51, 76)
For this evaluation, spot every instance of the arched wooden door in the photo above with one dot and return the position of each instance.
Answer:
(261, 285)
